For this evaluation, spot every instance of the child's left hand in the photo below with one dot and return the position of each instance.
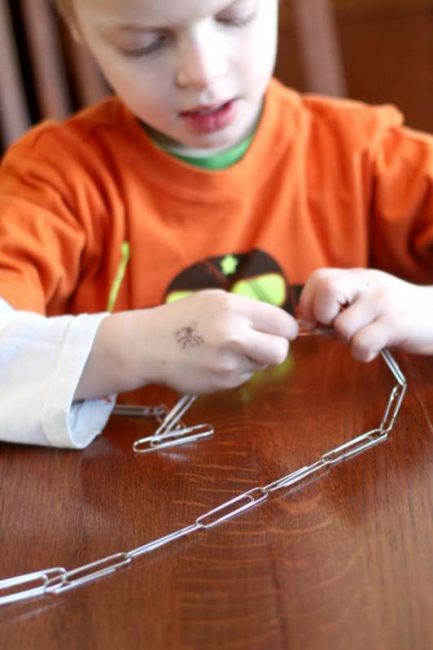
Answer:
(369, 310)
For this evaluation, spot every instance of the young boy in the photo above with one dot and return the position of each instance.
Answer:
(202, 179)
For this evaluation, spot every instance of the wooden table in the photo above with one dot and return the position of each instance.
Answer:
(344, 562)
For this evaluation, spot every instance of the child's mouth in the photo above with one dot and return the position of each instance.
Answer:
(207, 119)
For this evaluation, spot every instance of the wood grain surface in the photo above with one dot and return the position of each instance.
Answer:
(343, 562)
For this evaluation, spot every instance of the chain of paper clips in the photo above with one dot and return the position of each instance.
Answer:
(171, 431)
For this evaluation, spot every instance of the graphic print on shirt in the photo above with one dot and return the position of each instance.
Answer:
(255, 275)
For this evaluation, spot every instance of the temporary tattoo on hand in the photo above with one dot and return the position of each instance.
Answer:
(188, 337)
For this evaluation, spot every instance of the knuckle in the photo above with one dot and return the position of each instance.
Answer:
(213, 292)
(319, 274)
(229, 339)
(327, 285)
(233, 338)
(218, 298)
(227, 373)
(225, 366)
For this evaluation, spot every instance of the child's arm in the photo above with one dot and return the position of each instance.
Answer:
(210, 341)
(41, 360)
(370, 310)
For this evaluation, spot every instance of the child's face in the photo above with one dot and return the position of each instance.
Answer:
(194, 70)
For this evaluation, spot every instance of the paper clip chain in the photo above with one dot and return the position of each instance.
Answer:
(57, 579)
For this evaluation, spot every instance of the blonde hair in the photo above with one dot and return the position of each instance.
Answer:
(64, 7)
(62, 4)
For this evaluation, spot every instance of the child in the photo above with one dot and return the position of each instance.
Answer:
(200, 187)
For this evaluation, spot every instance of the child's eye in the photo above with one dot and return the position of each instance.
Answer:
(145, 50)
(237, 21)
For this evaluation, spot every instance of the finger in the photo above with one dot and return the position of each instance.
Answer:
(272, 320)
(306, 300)
(238, 362)
(240, 379)
(266, 349)
(251, 366)
(369, 341)
(333, 292)
(354, 318)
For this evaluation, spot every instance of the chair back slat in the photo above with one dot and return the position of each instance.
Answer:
(320, 51)
(14, 115)
(47, 60)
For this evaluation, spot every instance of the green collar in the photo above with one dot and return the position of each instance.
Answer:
(217, 161)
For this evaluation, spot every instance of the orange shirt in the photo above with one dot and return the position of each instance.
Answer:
(325, 183)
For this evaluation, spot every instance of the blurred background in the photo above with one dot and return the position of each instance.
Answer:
(373, 50)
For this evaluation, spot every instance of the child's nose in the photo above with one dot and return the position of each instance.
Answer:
(199, 64)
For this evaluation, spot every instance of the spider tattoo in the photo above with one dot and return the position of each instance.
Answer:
(188, 337)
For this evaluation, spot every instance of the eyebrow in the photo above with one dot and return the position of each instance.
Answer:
(131, 28)
(134, 28)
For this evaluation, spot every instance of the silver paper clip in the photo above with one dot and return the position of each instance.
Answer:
(172, 431)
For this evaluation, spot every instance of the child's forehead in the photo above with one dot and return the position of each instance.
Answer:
(161, 12)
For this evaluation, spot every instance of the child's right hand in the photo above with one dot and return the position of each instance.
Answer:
(209, 341)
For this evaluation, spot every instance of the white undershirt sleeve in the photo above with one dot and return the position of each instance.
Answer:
(41, 362)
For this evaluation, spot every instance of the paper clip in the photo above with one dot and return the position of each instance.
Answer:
(172, 431)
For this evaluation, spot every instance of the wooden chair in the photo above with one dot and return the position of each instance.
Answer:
(14, 116)
(59, 74)
(320, 52)
(44, 73)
